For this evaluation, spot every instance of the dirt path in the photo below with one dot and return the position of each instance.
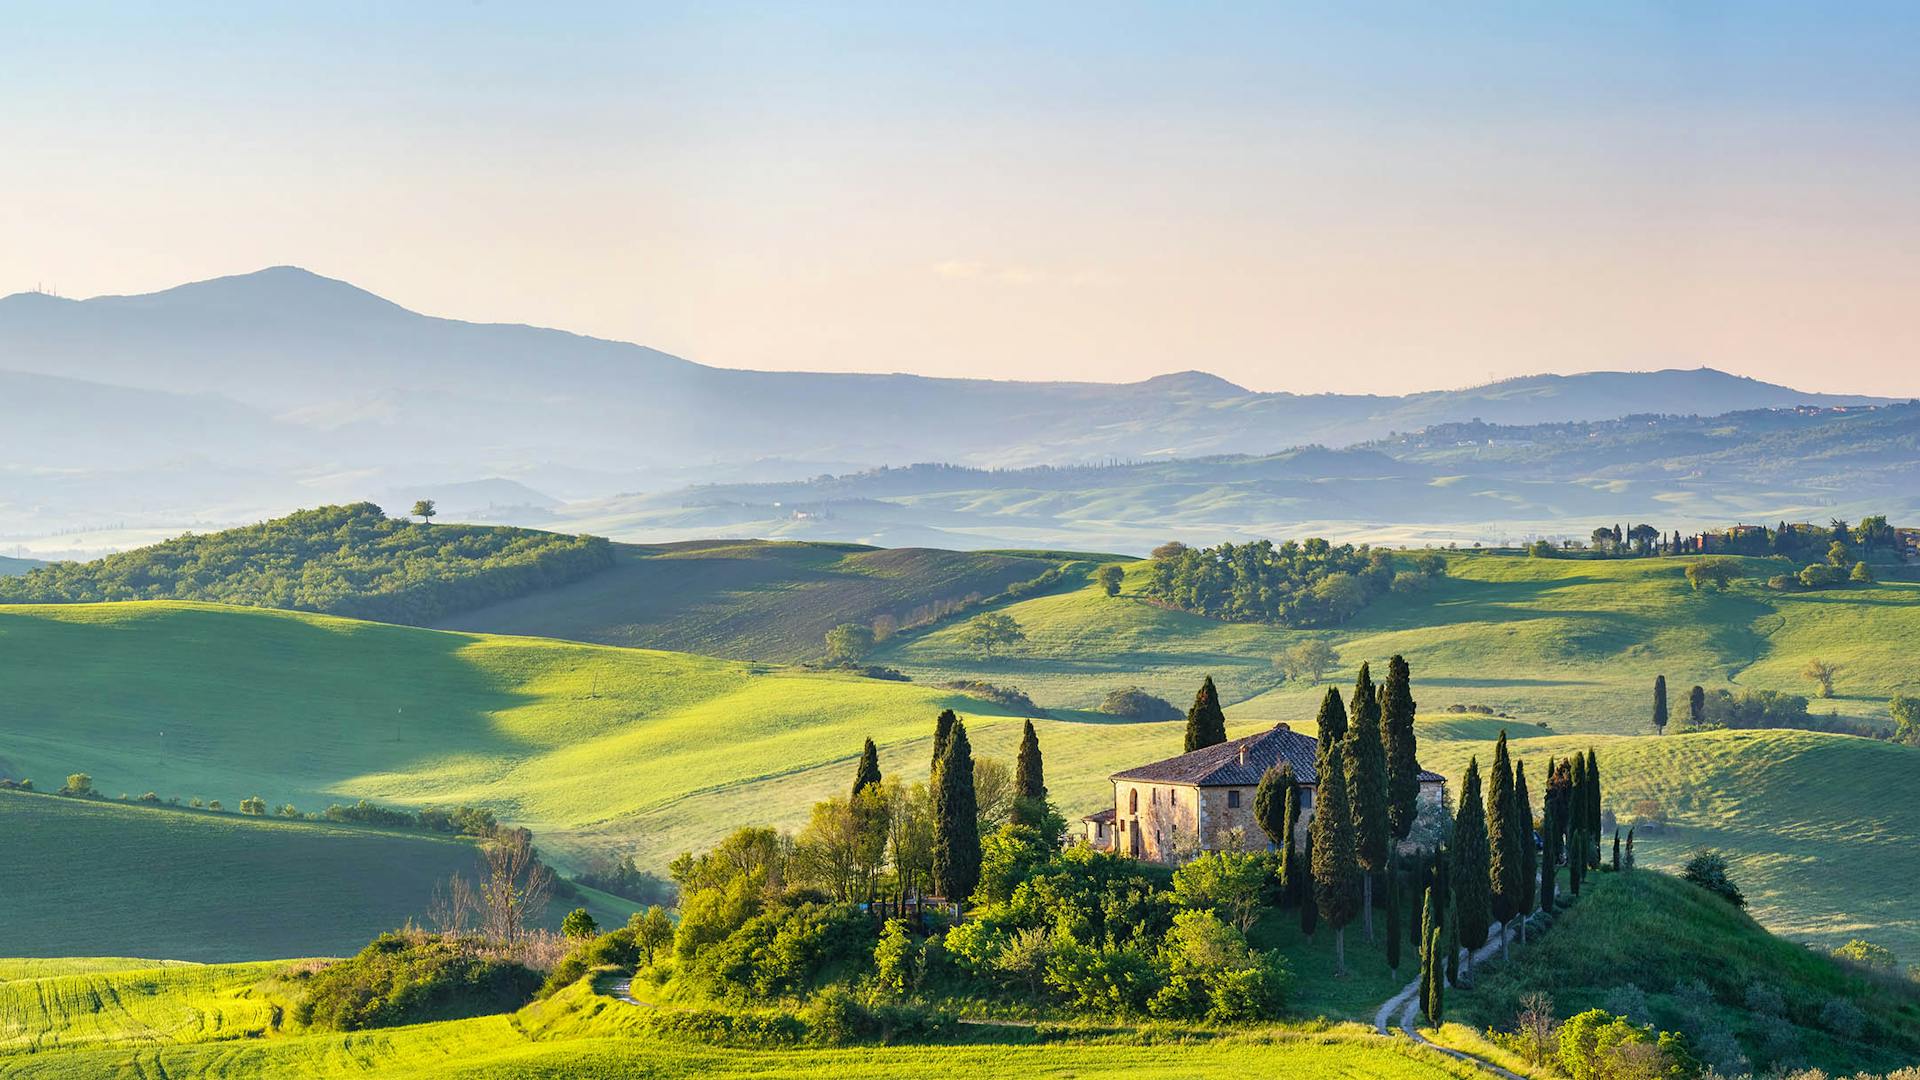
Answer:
(1402, 1010)
(622, 989)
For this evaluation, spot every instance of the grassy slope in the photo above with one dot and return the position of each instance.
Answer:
(1658, 932)
(749, 599)
(1817, 826)
(10, 565)
(1573, 642)
(582, 1035)
(88, 877)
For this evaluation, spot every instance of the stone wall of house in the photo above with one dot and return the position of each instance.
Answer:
(1155, 822)
(1171, 822)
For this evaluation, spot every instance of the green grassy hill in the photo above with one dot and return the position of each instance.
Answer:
(1573, 642)
(752, 599)
(1662, 936)
(1816, 826)
(10, 566)
(85, 877)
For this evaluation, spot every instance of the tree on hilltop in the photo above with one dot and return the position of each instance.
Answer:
(990, 631)
(1822, 673)
(1110, 577)
(1206, 722)
(425, 511)
(1309, 660)
(849, 642)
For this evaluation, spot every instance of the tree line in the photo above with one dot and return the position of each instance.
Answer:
(1297, 583)
(341, 560)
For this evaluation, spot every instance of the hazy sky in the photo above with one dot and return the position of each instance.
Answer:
(1379, 198)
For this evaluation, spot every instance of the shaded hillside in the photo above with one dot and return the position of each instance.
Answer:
(345, 560)
(208, 886)
(752, 599)
(11, 566)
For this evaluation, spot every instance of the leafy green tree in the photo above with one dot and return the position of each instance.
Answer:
(990, 632)
(254, 806)
(1309, 660)
(1206, 722)
(78, 784)
(579, 924)
(1336, 865)
(956, 821)
(1230, 884)
(1697, 707)
(1110, 577)
(652, 931)
(1659, 704)
(1905, 711)
(1366, 760)
(867, 773)
(1403, 766)
(425, 511)
(1822, 673)
(1861, 574)
(1503, 840)
(1467, 893)
(849, 642)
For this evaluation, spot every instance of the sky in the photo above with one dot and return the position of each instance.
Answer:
(1355, 197)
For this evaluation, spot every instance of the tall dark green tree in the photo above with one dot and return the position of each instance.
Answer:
(1593, 805)
(1029, 781)
(1659, 704)
(942, 732)
(1503, 840)
(1616, 849)
(1303, 873)
(1549, 853)
(1206, 723)
(1529, 855)
(1270, 806)
(1697, 706)
(1366, 756)
(1469, 889)
(1332, 721)
(956, 820)
(867, 773)
(1403, 766)
(1392, 883)
(1336, 865)
(1576, 806)
(1431, 965)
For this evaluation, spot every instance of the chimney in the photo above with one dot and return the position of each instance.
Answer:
(1243, 753)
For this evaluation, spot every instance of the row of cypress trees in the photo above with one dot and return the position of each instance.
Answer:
(956, 810)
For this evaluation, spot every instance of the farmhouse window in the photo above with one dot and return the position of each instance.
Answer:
(1133, 801)
(1233, 799)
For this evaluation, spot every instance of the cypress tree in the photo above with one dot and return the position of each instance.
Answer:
(1336, 865)
(942, 731)
(867, 773)
(956, 820)
(1659, 704)
(1450, 941)
(1437, 983)
(1616, 849)
(1029, 781)
(1366, 758)
(1393, 912)
(1593, 804)
(1576, 859)
(1529, 855)
(1332, 723)
(1468, 892)
(1270, 805)
(1549, 857)
(1403, 768)
(1303, 873)
(1503, 841)
(1629, 863)
(1206, 723)
(1429, 933)
(1296, 877)
(1576, 807)
(1697, 706)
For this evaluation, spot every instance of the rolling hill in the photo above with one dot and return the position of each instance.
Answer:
(85, 877)
(753, 599)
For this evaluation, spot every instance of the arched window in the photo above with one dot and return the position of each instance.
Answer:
(1133, 800)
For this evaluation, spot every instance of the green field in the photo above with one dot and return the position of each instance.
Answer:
(1576, 643)
(207, 1022)
(751, 599)
(84, 877)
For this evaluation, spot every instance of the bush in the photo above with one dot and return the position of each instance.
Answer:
(788, 951)
(615, 949)
(1843, 1017)
(1866, 954)
(1133, 703)
(1708, 869)
(579, 924)
(404, 978)
(1010, 697)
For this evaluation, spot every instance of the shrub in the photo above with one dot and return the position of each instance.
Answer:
(1708, 869)
(1843, 1017)
(1630, 1001)
(79, 784)
(788, 950)
(895, 959)
(615, 949)
(1133, 703)
(1866, 954)
(1765, 999)
(1010, 697)
(579, 924)
(403, 978)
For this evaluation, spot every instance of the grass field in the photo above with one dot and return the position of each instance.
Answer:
(1573, 642)
(1659, 933)
(198, 1023)
(1816, 826)
(751, 599)
(85, 877)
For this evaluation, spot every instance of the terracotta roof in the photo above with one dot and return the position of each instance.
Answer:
(1100, 816)
(1220, 765)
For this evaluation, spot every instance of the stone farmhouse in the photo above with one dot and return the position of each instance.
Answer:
(1171, 810)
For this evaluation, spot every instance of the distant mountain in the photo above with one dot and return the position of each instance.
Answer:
(317, 389)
